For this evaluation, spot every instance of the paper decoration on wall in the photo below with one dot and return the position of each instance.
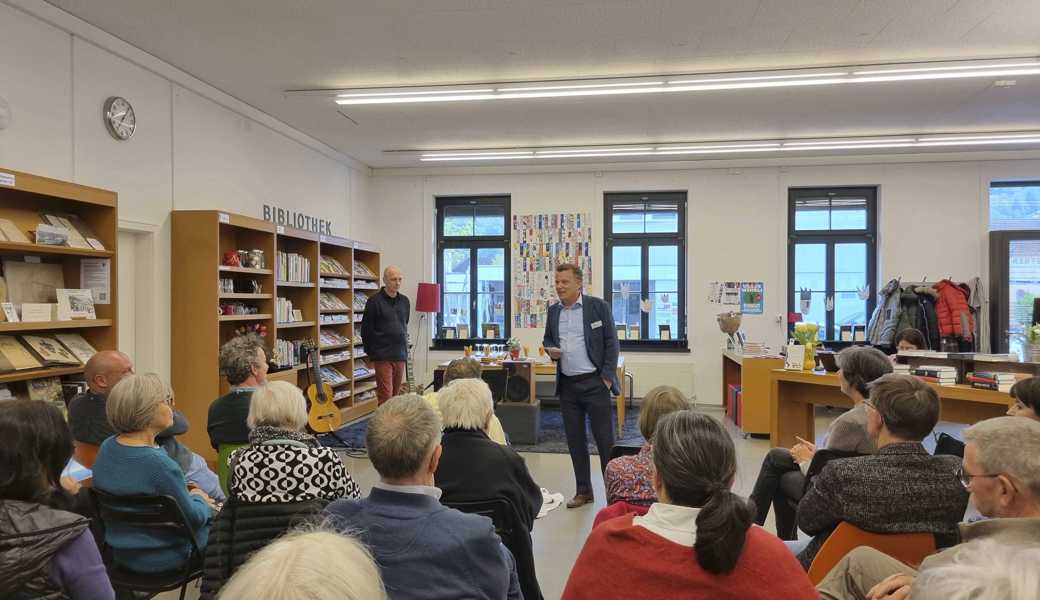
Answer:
(863, 292)
(829, 304)
(752, 297)
(804, 300)
(645, 305)
(540, 242)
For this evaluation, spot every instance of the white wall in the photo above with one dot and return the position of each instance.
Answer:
(932, 220)
(194, 148)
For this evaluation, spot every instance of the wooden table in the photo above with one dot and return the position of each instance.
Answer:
(794, 393)
(754, 374)
(549, 369)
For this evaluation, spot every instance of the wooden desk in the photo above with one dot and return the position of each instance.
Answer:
(795, 393)
(754, 374)
(549, 369)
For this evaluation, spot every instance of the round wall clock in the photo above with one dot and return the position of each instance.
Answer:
(119, 118)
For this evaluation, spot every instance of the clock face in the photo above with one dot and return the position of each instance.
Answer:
(119, 118)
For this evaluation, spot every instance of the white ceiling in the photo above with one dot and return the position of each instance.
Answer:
(258, 49)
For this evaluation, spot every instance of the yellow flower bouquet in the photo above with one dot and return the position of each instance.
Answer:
(807, 335)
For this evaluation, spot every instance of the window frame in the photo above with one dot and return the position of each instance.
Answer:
(680, 339)
(832, 237)
(472, 243)
(999, 268)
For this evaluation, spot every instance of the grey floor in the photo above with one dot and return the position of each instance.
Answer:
(559, 536)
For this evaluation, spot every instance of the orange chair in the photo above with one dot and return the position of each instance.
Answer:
(85, 453)
(910, 548)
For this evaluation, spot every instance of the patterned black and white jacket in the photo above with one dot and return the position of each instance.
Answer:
(901, 489)
(281, 465)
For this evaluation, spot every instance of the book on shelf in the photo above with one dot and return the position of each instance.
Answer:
(14, 356)
(10, 232)
(341, 394)
(362, 270)
(287, 353)
(990, 385)
(75, 304)
(937, 380)
(283, 311)
(935, 371)
(330, 265)
(996, 376)
(80, 235)
(292, 268)
(328, 301)
(50, 351)
(45, 389)
(32, 282)
(333, 319)
(78, 346)
(360, 299)
(332, 282)
(333, 376)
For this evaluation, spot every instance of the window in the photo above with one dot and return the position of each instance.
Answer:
(472, 267)
(1014, 223)
(832, 255)
(645, 268)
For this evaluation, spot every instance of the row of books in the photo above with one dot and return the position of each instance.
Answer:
(334, 357)
(946, 375)
(362, 270)
(35, 351)
(328, 301)
(54, 230)
(287, 353)
(362, 372)
(334, 282)
(360, 299)
(329, 337)
(284, 313)
(329, 264)
(332, 376)
(292, 267)
(994, 380)
(334, 319)
(361, 284)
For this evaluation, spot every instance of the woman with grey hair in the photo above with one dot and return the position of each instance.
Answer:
(130, 463)
(697, 540)
(282, 477)
(781, 479)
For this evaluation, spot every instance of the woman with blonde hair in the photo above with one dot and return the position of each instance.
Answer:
(130, 463)
(631, 478)
(316, 565)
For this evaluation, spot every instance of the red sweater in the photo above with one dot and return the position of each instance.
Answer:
(622, 560)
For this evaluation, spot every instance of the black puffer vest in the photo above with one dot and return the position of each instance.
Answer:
(30, 535)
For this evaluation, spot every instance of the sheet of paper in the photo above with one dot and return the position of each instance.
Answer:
(95, 274)
(34, 312)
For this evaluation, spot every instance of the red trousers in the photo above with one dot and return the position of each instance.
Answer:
(389, 377)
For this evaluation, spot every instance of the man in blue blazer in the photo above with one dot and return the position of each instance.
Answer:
(580, 336)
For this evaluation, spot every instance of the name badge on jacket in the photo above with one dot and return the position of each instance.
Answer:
(597, 324)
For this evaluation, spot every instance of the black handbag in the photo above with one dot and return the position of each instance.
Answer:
(947, 444)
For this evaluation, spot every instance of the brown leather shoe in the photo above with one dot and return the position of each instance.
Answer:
(580, 500)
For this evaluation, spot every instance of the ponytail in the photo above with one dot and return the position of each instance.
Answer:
(722, 526)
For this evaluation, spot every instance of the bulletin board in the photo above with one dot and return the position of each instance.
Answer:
(540, 242)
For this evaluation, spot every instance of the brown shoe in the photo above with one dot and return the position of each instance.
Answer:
(580, 500)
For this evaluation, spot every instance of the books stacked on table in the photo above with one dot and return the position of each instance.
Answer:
(755, 349)
(901, 369)
(940, 374)
(992, 380)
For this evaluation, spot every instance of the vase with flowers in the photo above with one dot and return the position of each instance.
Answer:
(513, 345)
(807, 335)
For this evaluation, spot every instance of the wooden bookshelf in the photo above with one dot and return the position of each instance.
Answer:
(200, 240)
(24, 198)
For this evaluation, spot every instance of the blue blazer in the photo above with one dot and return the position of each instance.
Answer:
(427, 551)
(600, 341)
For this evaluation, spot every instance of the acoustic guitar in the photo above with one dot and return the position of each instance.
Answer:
(323, 415)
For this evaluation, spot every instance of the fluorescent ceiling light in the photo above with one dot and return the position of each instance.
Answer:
(686, 83)
(722, 149)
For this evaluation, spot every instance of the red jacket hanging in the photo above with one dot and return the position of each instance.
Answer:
(955, 318)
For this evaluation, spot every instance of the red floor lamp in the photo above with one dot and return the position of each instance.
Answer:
(427, 301)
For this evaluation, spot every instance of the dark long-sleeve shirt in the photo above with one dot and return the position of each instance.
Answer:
(384, 327)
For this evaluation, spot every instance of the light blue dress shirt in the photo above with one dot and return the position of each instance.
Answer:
(574, 359)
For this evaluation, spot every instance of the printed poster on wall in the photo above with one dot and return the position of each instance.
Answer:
(752, 297)
(540, 242)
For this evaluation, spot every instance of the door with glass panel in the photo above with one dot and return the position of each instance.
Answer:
(1014, 285)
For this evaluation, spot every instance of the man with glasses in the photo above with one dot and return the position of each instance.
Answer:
(1001, 470)
(900, 489)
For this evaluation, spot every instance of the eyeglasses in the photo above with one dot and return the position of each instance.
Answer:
(966, 477)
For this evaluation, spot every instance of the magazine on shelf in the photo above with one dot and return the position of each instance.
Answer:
(75, 304)
(50, 350)
(77, 345)
(14, 356)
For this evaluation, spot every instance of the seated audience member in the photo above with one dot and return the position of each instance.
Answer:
(902, 488)
(983, 570)
(45, 551)
(631, 478)
(89, 423)
(467, 368)
(781, 479)
(425, 550)
(909, 339)
(281, 478)
(1025, 399)
(1001, 470)
(130, 464)
(244, 363)
(316, 565)
(472, 467)
(697, 540)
